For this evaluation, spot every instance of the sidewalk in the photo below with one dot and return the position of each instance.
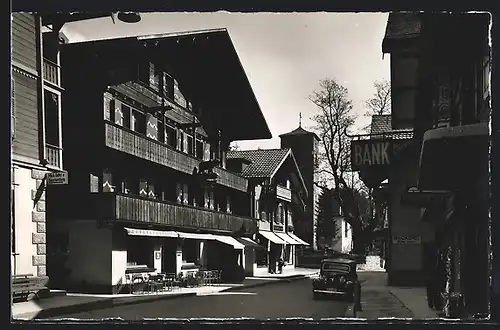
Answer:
(380, 301)
(75, 302)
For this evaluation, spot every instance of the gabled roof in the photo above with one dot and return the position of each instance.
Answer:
(382, 125)
(401, 26)
(300, 131)
(265, 163)
(204, 61)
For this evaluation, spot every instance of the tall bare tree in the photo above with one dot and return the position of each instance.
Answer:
(380, 102)
(333, 122)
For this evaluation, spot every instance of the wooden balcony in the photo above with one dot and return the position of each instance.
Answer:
(141, 210)
(51, 72)
(283, 193)
(135, 144)
(53, 154)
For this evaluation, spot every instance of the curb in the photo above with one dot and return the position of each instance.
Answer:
(95, 305)
(122, 301)
(285, 280)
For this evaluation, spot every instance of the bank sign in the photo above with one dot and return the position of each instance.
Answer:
(367, 153)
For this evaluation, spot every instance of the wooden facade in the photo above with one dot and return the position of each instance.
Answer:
(145, 145)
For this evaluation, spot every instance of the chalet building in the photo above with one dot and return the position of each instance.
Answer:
(279, 195)
(36, 133)
(440, 66)
(304, 145)
(147, 124)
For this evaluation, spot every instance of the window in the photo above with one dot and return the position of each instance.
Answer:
(182, 193)
(178, 97)
(107, 182)
(154, 77)
(152, 126)
(171, 136)
(13, 109)
(228, 204)
(125, 114)
(161, 130)
(190, 251)
(52, 132)
(109, 107)
(199, 149)
(346, 229)
(189, 141)
(168, 86)
(138, 122)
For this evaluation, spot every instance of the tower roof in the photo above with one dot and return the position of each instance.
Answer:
(300, 131)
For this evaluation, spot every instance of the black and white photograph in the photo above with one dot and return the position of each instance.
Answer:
(260, 165)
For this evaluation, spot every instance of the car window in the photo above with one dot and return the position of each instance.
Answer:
(335, 267)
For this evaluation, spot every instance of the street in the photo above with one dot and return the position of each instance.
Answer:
(284, 300)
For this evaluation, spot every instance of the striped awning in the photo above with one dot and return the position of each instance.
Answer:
(248, 242)
(151, 233)
(272, 237)
(287, 239)
(229, 240)
(293, 236)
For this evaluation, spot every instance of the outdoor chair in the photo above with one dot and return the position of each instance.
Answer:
(155, 283)
(129, 283)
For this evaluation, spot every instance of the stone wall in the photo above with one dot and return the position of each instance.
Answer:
(39, 236)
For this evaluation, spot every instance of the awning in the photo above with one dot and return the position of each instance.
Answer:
(229, 241)
(248, 242)
(272, 237)
(293, 236)
(287, 239)
(196, 236)
(151, 233)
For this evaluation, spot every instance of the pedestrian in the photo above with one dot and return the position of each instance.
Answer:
(281, 263)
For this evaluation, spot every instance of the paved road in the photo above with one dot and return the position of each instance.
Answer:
(293, 299)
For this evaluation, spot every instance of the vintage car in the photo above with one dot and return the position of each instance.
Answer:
(337, 278)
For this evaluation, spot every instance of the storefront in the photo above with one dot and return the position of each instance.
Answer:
(453, 191)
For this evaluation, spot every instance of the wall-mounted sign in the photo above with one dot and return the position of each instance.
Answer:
(406, 239)
(57, 178)
(426, 198)
(157, 255)
(370, 152)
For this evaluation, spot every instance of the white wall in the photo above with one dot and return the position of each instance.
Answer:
(90, 254)
(346, 239)
(24, 226)
(405, 221)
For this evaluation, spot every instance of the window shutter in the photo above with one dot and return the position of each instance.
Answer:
(179, 193)
(206, 151)
(185, 194)
(13, 109)
(118, 113)
(179, 139)
(107, 106)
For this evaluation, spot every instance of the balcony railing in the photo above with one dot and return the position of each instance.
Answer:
(51, 72)
(53, 154)
(283, 193)
(137, 145)
(141, 210)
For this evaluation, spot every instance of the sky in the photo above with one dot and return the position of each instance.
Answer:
(284, 55)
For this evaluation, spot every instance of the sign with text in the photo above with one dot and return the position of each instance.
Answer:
(426, 198)
(406, 239)
(55, 178)
(371, 153)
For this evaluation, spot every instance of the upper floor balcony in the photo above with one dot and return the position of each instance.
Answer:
(51, 72)
(121, 207)
(133, 143)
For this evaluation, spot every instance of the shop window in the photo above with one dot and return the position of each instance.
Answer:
(139, 251)
(190, 251)
(288, 254)
(261, 254)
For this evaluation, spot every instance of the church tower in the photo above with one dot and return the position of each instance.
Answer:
(304, 145)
